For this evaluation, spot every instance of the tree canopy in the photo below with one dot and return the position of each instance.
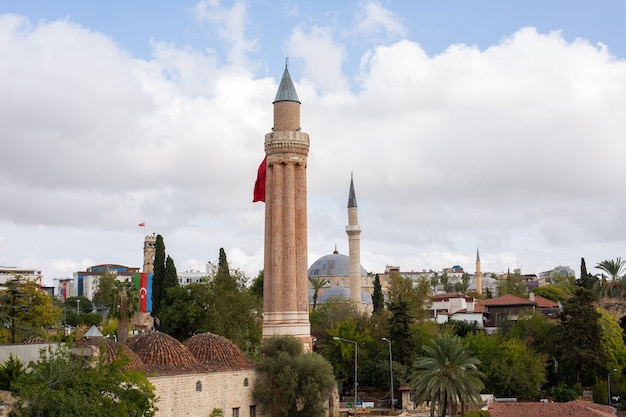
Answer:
(292, 383)
(59, 384)
(447, 376)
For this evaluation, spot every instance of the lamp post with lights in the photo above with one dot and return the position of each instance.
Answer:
(390, 370)
(356, 350)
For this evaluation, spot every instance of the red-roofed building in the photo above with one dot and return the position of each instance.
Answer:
(497, 311)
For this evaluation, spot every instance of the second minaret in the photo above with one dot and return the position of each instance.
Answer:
(354, 245)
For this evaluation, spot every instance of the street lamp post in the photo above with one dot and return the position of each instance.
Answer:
(356, 350)
(390, 370)
(609, 387)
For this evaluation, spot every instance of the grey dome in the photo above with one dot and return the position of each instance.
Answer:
(333, 265)
(339, 292)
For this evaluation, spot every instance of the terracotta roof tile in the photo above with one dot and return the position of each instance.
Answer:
(576, 408)
(217, 352)
(111, 350)
(164, 355)
(506, 300)
(545, 302)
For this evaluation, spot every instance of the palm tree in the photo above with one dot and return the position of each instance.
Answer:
(447, 376)
(125, 306)
(317, 283)
(614, 268)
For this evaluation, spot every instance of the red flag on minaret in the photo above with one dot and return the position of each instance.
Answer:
(259, 185)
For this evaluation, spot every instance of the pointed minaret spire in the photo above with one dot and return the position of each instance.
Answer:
(354, 245)
(286, 90)
(351, 195)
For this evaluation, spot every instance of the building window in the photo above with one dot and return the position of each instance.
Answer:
(245, 382)
(198, 386)
(236, 412)
(253, 411)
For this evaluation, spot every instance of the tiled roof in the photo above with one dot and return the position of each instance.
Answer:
(34, 341)
(164, 355)
(447, 296)
(506, 300)
(111, 350)
(545, 302)
(217, 352)
(576, 408)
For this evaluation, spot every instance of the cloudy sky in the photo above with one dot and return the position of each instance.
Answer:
(466, 124)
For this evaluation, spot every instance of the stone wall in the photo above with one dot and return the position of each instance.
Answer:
(25, 353)
(196, 395)
(616, 308)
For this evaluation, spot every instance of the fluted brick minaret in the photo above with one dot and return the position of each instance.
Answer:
(285, 292)
(354, 245)
(478, 274)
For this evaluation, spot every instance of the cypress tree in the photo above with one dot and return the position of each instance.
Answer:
(158, 291)
(171, 276)
(378, 299)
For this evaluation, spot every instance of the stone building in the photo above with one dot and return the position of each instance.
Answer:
(206, 372)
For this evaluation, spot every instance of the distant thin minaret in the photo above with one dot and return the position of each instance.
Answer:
(354, 245)
(479, 274)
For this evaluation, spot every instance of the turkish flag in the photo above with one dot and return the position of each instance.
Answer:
(259, 185)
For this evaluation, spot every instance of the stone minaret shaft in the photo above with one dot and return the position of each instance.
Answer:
(354, 246)
(285, 293)
(479, 274)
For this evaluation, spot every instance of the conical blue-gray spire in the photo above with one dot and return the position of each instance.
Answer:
(352, 195)
(477, 255)
(286, 90)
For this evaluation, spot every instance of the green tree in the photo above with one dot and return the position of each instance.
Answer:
(535, 330)
(612, 340)
(416, 293)
(125, 306)
(102, 298)
(513, 284)
(26, 310)
(171, 276)
(378, 298)
(511, 368)
(158, 279)
(78, 304)
(586, 280)
(578, 349)
(318, 283)
(447, 376)
(292, 383)
(231, 310)
(10, 371)
(182, 312)
(257, 285)
(613, 267)
(404, 343)
(59, 384)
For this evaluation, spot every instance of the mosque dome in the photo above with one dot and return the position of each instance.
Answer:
(217, 352)
(164, 355)
(333, 265)
(338, 291)
(110, 350)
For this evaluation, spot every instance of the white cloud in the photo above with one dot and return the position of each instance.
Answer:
(374, 20)
(322, 58)
(516, 149)
(231, 27)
